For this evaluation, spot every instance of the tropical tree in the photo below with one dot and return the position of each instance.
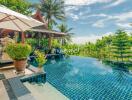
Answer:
(21, 6)
(71, 49)
(108, 41)
(100, 44)
(121, 45)
(53, 10)
(64, 28)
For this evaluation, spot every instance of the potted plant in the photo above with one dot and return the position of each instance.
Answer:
(41, 59)
(19, 53)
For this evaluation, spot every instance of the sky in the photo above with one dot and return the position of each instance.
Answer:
(92, 19)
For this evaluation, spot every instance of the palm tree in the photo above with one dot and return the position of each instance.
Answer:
(64, 28)
(52, 10)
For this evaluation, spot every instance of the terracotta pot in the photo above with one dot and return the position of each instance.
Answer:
(20, 65)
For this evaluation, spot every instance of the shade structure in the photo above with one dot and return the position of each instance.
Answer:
(10, 19)
(49, 33)
(42, 30)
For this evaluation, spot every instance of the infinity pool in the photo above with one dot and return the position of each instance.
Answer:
(83, 78)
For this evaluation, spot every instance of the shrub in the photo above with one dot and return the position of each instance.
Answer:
(32, 42)
(18, 51)
(40, 58)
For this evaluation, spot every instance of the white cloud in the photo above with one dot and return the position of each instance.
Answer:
(70, 12)
(99, 24)
(108, 33)
(74, 16)
(84, 23)
(86, 12)
(129, 32)
(124, 25)
(90, 38)
(93, 15)
(69, 8)
(83, 40)
(99, 15)
(118, 17)
(84, 2)
(93, 38)
(116, 3)
(123, 17)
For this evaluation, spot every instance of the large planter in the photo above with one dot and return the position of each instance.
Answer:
(20, 65)
(19, 53)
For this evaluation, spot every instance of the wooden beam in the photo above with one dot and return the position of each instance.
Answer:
(1, 20)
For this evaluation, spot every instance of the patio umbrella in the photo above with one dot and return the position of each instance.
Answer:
(10, 19)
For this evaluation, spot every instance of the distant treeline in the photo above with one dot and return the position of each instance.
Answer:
(117, 47)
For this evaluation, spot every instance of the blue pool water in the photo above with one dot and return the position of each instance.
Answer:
(83, 78)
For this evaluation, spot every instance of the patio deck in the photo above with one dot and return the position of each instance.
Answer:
(7, 90)
(45, 92)
(48, 91)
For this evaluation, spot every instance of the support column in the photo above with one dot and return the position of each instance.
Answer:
(16, 36)
(23, 37)
(50, 41)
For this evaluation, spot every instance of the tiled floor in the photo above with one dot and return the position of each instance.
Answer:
(45, 92)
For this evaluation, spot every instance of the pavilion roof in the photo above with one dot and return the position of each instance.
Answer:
(47, 32)
(44, 28)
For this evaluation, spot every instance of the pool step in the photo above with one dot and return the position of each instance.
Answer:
(39, 77)
(17, 86)
(33, 68)
(16, 90)
(9, 90)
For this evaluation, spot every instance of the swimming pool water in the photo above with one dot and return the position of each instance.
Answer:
(83, 78)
